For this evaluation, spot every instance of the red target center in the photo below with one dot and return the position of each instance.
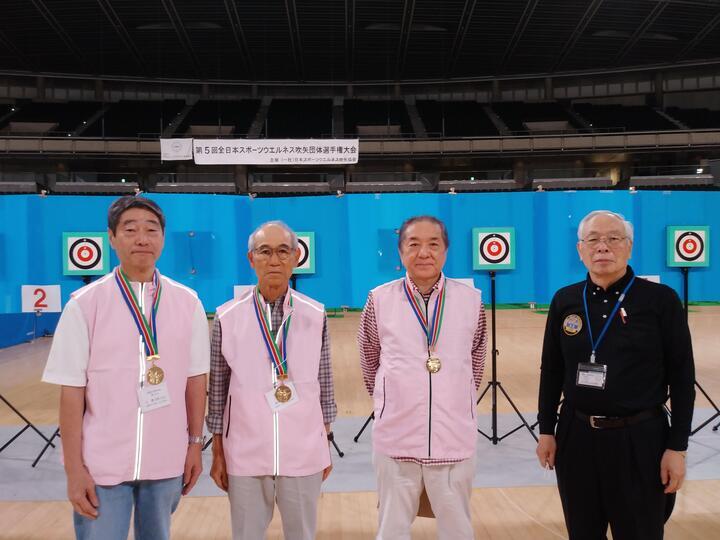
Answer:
(690, 245)
(494, 247)
(84, 254)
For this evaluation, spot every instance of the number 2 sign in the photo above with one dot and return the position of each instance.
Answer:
(44, 298)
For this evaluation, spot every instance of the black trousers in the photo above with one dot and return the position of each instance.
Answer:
(612, 477)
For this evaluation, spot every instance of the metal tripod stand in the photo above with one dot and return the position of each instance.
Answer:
(686, 278)
(28, 424)
(494, 384)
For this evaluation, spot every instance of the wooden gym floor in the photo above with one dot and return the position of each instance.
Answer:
(498, 513)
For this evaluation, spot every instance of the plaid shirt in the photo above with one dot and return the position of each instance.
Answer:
(369, 344)
(220, 373)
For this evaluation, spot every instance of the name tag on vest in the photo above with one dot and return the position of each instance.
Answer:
(153, 396)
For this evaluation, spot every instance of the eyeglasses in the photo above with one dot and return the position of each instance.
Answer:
(610, 241)
(265, 253)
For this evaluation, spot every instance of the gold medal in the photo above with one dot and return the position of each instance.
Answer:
(155, 375)
(433, 364)
(283, 393)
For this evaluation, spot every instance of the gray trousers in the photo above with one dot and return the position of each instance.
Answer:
(448, 487)
(252, 502)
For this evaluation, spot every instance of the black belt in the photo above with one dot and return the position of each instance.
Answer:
(611, 422)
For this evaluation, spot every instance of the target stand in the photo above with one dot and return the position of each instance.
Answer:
(306, 262)
(494, 249)
(28, 425)
(38, 313)
(48, 444)
(306, 245)
(493, 385)
(688, 247)
(686, 278)
(84, 253)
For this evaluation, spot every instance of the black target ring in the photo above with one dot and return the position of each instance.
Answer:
(304, 252)
(93, 262)
(695, 236)
(486, 256)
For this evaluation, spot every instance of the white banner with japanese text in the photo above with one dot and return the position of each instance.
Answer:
(275, 151)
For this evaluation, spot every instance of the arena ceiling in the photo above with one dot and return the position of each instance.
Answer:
(352, 41)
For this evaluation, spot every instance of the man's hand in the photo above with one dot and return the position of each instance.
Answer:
(545, 451)
(193, 467)
(328, 469)
(672, 470)
(80, 485)
(81, 493)
(195, 395)
(218, 471)
(326, 472)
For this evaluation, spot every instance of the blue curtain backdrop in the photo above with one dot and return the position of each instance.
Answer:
(206, 239)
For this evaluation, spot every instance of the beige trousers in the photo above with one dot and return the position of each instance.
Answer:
(448, 487)
(252, 501)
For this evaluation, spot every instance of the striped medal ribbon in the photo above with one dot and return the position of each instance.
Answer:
(432, 330)
(277, 348)
(147, 329)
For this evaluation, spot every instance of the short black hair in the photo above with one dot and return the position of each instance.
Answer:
(415, 219)
(132, 201)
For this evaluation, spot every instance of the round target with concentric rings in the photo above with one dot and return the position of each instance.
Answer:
(689, 246)
(85, 253)
(494, 248)
(304, 252)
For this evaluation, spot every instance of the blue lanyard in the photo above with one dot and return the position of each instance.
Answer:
(596, 344)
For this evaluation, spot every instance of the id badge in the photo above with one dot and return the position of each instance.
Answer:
(153, 396)
(276, 405)
(591, 375)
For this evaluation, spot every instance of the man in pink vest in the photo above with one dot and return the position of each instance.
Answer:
(422, 346)
(131, 352)
(271, 398)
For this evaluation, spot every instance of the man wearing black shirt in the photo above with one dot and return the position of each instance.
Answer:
(616, 346)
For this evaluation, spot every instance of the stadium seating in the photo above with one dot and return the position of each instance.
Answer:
(299, 119)
(696, 118)
(377, 119)
(455, 119)
(230, 117)
(49, 119)
(623, 117)
(525, 118)
(144, 119)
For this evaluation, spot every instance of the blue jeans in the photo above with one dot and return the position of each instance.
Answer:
(153, 500)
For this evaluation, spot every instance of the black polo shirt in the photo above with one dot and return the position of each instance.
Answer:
(648, 355)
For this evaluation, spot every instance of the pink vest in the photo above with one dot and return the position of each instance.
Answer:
(258, 441)
(418, 414)
(120, 443)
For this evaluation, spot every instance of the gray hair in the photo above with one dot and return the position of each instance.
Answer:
(277, 223)
(626, 224)
(429, 219)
